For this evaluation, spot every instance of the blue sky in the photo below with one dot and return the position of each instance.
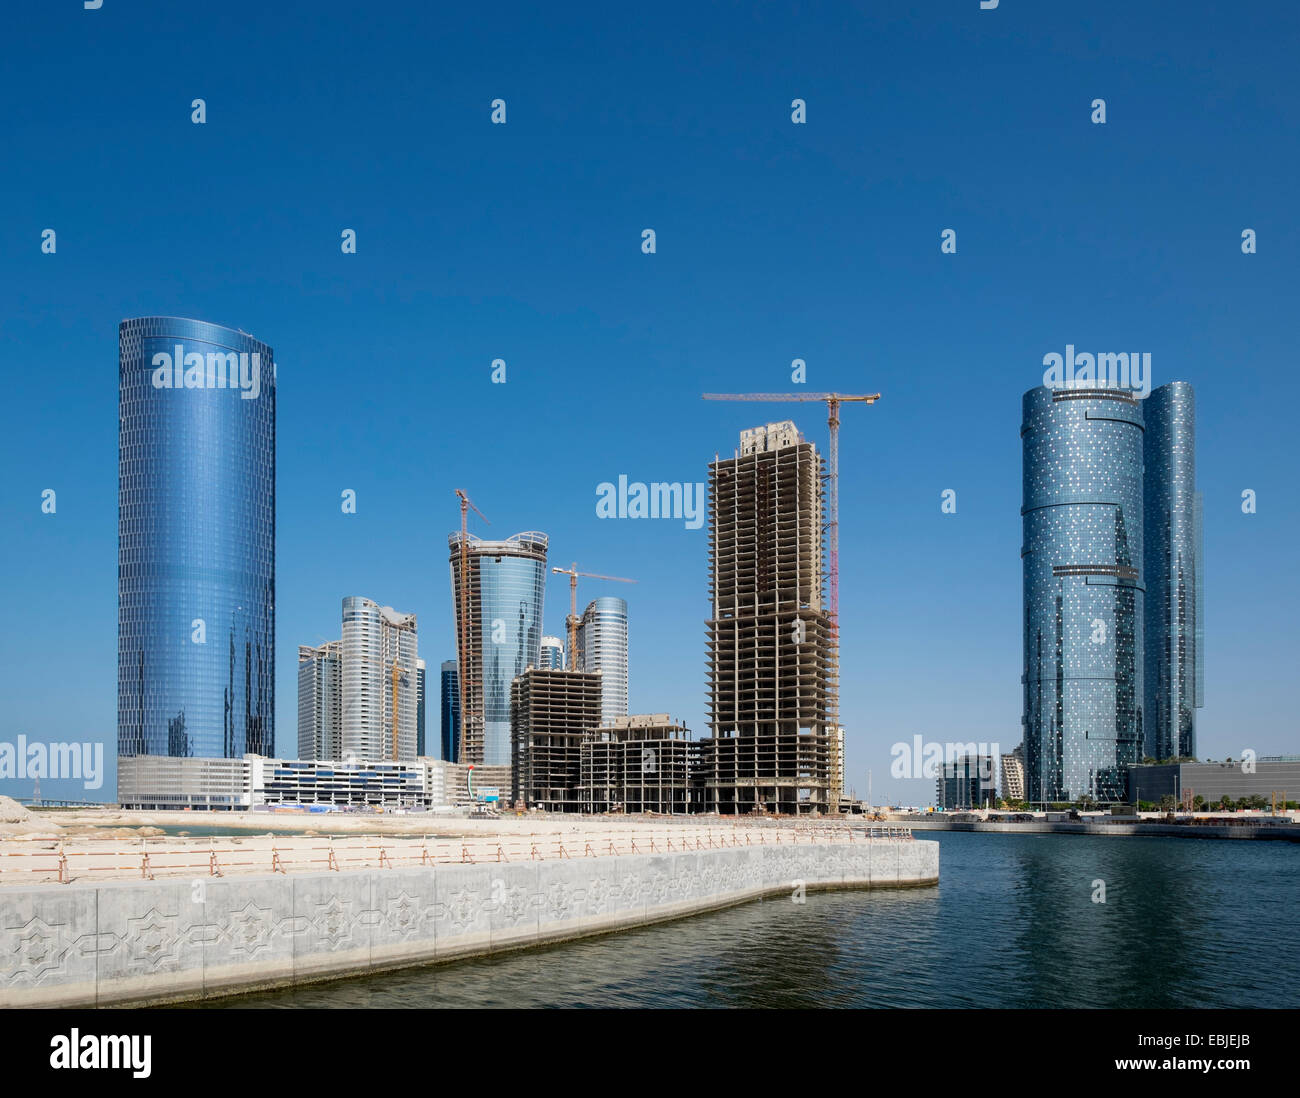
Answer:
(775, 241)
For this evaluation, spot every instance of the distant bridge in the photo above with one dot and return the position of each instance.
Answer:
(54, 802)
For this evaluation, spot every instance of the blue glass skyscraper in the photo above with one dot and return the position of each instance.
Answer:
(1082, 553)
(1175, 676)
(450, 712)
(501, 634)
(196, 540)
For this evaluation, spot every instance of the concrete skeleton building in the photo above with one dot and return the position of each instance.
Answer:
(641, 763)
(360, 697)
(771, 650)
(552, 713)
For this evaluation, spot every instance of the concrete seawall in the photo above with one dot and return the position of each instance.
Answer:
(138, 942)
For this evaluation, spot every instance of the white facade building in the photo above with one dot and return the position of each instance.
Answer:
(1013, 775)
(320, 700)
(602, 646)
(380, 707)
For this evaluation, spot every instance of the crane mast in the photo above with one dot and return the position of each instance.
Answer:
(832, 402)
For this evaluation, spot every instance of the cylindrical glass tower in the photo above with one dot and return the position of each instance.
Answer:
(1174, 603)
(602, 646)
(196, 540)
(1083, 591)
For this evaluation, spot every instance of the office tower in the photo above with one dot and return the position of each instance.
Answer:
(552, 713)
(196, 540)
(771, 648)
(420, 744)
(552, 654)
(602, 646)
(1082, 554)
(1175, 682)
(967, 782)
(320, 701)
(1013, 774)
(498, 615)
(380, 686)
(450, 712)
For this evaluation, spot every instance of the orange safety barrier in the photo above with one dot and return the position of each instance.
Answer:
(165, 856)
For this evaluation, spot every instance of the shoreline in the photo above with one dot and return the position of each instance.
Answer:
(1145, 828)
(144, 942)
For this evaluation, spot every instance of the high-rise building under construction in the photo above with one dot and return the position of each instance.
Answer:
(772, 654)
(498, 614)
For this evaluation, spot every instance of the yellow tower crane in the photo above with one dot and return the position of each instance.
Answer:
(462, 620)
(832, 402)
(572, 621)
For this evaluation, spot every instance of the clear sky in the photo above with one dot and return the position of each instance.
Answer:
(775, 241)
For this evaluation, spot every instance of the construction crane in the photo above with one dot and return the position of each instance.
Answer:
(832, 402)
(399, 675)
(572, 621)
(462, 624)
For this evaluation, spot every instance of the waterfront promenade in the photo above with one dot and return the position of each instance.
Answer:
(145, 931)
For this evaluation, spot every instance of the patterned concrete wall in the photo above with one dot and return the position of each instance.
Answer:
(157, 941)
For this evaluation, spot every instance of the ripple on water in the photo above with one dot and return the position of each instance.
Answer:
(1012, 924)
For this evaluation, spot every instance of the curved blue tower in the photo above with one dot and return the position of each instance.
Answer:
(196, 540)
(1175, 618)
(1082, 552)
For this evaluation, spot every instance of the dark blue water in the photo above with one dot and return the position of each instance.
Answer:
(1186, 923)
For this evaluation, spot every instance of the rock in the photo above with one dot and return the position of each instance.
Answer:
(11, 812)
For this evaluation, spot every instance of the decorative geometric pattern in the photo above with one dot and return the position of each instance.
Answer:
(282, 922)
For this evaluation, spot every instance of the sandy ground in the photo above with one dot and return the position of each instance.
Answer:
(97, 844)
(112, 823)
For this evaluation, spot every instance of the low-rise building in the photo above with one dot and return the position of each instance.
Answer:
(967, 782)
(1270, 777)
(640, 763)
(164, 782)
